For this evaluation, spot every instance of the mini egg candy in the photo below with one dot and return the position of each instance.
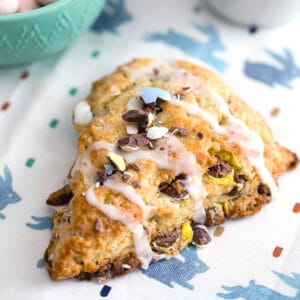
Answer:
(26, 5)
(8, 6)
(45, 2)
(156, 132)
(151, 94)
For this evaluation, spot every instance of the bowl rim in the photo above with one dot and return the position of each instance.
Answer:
(36, 12)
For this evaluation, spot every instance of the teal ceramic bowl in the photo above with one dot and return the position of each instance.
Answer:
(30, 36)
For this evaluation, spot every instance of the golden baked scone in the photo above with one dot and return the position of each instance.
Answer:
(164, 149)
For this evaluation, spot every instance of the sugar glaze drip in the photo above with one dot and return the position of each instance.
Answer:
(141, 243)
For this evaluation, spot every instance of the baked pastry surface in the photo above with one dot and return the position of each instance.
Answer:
(164, 149)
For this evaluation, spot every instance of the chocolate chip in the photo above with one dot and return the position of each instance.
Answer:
(185, 88)
(181, 177)
(133, 166)
(263, 189)
(235, 192)
(126, 176)
(155, 71)
(200, 236)
(239, 178)
(200, 135)
(222, 169)
(101, 176)
(60, 197)
(179, 96)
(136, 184)
(179, 131)
(293, 164)
(133, 143)
(111, 270)
(237, 189)
(168, 189)
(152, 107)
(136, 116)
(167, 240)
(175, 189)
(214, 215)
(85, 276)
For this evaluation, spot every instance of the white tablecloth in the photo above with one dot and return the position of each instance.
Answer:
(254, 258)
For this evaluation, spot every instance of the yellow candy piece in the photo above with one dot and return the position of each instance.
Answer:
(187, 231)
(150, 119)
(227, 156)
(229, 179)
(118, 161)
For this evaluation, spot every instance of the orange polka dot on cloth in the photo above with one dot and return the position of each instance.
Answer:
(296, 208)
(277, 251)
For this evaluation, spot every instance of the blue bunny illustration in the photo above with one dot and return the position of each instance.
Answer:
(41, 223)
(7, 194)
(202, 50)
(114, 15)
(255, 291)
(272, 75)
(174, 270)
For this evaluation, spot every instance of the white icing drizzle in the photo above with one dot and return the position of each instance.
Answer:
(142, 247)
(195, 110)
(184, 162)
(84, 165)
(160, 157)
(251, 143)
(129, 192)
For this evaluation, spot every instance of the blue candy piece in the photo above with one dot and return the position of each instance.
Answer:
(109, 169)
(150, 94)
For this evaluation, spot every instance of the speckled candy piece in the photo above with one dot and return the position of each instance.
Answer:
(151, 94)
(8, 6)
(27, 5)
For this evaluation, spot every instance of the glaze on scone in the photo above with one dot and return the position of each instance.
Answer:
(164, 148)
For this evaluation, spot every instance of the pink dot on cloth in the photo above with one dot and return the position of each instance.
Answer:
(8, 6)
(26, 5)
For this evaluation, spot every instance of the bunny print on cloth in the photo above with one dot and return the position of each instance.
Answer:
(272, 75)
(206, 51)
(7, 194)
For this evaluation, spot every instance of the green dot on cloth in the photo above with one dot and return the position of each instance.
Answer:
(95, 53)
(73, 91)
(29, 162)
(53, 123)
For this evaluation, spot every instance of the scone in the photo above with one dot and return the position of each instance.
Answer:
(164, 149)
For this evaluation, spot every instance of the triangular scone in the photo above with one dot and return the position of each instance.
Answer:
(170, 148)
